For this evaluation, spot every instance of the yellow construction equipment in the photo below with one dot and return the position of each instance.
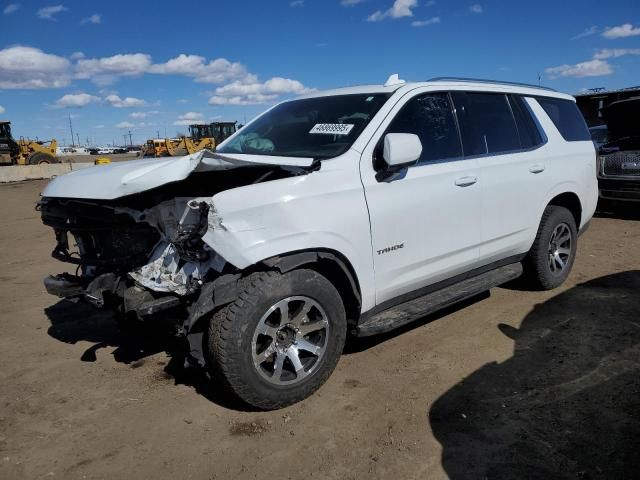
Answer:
(202, 136)
(25, 151)
(156, 147)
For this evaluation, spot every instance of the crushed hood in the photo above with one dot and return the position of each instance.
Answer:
(115, 180)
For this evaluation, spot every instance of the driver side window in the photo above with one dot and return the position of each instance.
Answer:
(430, 117)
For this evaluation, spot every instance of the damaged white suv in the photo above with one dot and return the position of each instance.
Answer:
(352, 211)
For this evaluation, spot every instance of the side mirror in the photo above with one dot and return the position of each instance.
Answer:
(401, 149)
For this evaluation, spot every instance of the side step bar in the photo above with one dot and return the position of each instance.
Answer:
(417, 308)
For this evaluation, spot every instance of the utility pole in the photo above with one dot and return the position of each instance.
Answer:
(158, 132)
(71, 128)
(130, 141)
(78, 136)
(125, 138)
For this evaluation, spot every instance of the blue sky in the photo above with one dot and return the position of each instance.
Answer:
(157, 66)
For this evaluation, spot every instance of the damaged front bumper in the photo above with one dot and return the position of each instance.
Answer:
(109, 290)
(141, 263)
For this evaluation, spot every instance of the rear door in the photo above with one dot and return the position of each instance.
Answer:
(425, 222)
(498, 130)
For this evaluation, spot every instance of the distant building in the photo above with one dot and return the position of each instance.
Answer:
(593, 101)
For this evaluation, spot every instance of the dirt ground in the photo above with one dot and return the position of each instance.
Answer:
(517, 384)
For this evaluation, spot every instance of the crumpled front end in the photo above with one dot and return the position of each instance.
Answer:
(145, 260)
(143, 254)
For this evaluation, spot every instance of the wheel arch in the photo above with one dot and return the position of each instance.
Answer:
(571, 202)
(328, 263)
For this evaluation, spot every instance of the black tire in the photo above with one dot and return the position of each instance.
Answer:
(538, 268)
(229, 344)
(40, 158)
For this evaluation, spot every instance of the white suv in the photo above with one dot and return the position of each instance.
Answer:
(351, 211)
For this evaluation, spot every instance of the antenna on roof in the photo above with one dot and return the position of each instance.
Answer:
(394, 80)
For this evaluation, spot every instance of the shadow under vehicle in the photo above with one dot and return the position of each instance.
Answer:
(565, 405)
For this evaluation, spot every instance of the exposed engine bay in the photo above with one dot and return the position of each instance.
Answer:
(143, 254)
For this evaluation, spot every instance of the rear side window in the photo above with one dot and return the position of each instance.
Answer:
(527, 129)
(566, 117)
(486, 123)
(430, 117)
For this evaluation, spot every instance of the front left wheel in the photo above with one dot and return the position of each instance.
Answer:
(279, 341)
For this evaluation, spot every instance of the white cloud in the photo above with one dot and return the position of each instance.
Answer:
(399, 9)
(49, 13)
(76, 100)
(475, 8)
(99, 126)
(219, 70)
(189, 118)
(591, 68)
(27, 67)
(251, 93)
(587, 32)
(2, 109)
(424, 23)
(128, 102)
(350, 3)
(31, 68)
(597, 66)
(615, 52)
(296, 3)
(125, 125)
(9, 9)
(621, 31)
(106, 70)
(138, 115)
(95, 18)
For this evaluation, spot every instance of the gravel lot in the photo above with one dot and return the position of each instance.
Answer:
(517, 384)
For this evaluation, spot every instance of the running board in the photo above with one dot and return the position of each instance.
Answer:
(417, 308)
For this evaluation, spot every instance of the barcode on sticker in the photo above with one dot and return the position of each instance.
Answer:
(332, 128)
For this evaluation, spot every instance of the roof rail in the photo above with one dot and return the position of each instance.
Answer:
(494, 82)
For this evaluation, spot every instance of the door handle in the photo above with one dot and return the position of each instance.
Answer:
(466, 181)
(536, 168)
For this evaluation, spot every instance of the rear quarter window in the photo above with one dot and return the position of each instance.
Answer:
(566, 117)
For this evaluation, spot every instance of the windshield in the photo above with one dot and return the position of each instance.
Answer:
(322, 127)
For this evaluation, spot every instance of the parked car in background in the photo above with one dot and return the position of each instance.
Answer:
(619, 158)
(599, 135)
(356, 211)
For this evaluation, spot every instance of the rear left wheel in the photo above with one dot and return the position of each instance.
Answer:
(551, 257)
(280, 340)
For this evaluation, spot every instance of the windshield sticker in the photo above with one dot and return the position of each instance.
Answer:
(331, 128)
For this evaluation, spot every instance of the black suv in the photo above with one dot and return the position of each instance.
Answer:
(619, 159)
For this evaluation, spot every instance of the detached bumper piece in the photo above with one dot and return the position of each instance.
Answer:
(63, 286)
(109, 289)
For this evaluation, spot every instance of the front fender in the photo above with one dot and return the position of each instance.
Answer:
(324, 210)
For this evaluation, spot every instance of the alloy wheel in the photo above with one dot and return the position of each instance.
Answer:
(290, 340)
(560, 246)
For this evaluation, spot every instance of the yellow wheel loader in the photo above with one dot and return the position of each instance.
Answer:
(202, 136)
(25, 151)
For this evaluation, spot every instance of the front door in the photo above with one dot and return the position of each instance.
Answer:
(425, 222)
